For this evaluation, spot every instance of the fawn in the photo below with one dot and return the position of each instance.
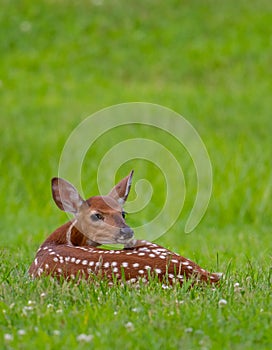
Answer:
(71, 251)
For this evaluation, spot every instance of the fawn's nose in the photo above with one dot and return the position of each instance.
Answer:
(126, 232)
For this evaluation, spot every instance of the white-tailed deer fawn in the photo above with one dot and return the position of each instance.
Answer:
(71, 251)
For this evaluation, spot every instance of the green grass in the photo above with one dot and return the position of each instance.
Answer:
(209, 61)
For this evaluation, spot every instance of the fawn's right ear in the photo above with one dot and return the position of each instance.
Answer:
(66, 195)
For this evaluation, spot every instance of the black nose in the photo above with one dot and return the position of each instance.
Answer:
(127, 232)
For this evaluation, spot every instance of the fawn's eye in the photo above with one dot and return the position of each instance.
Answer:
(96, 217)
(124, 214)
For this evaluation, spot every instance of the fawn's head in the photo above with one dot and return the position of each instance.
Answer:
(100, 218)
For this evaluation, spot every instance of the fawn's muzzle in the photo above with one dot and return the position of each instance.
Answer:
(126, 232)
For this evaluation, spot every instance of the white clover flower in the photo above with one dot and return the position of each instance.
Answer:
(165, 286)
(188, 330)
(129, 326)
(135, 309)
(21, 332)
(222, 302)
(26, 309)
(8, 337)
(237, 287)
(85, 338)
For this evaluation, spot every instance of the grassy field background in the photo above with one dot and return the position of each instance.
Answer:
(209, 61)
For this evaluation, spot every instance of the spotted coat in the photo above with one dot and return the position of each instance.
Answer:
(143, 261)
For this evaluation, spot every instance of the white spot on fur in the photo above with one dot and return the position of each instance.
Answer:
(155, 251)
(141, 272)
(145, 249)
(174, 261)
(114, 263)
(82, 248)
(152, 255)
(136, 265)
(141, 254)
(36, 261)
(78, 261)
(124, 264)
(106, 264)
(73, 260)
(84, 262)
(158, 270)
(91, 263)
(115, 269)
(55, 259)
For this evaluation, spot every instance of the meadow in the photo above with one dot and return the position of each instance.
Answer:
(208, 61)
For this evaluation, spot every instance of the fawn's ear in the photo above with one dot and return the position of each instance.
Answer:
(66, 195)
(120, 192)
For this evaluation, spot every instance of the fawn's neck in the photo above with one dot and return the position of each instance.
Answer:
(69, 234)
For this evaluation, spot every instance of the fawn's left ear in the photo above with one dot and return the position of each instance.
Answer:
(121, 191)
